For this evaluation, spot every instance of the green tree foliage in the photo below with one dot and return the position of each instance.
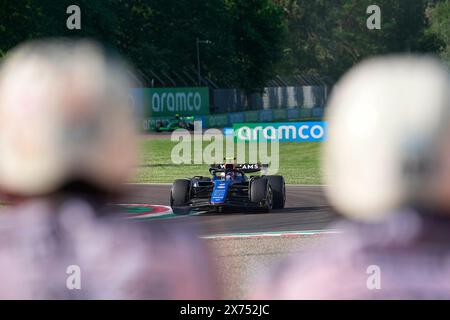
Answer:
(328, 37)
(439, 17)
(252, 40)
(258, 32)
(160, 35)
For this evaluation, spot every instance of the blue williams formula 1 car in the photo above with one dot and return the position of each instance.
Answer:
(229, 187)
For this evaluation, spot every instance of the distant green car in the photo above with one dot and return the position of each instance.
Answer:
(176, 123)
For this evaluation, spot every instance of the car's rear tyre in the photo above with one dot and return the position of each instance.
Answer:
(180, 195)
(261, 193)
(279, 191)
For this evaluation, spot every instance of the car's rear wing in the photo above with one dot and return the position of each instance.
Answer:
(245, 167)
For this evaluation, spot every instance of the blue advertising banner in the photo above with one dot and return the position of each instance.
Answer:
(228, 132)
(265, 115)
(236, 117)
(293, 113)
(317, 112)
(281, 131)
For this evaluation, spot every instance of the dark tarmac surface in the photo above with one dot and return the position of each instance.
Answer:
(306, 209)
(240, 261)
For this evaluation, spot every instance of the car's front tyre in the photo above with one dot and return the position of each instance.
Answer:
(180, 195)
(279, 191)
(261, 193)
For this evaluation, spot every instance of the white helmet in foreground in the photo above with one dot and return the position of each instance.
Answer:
(389, 137)
(65, 114)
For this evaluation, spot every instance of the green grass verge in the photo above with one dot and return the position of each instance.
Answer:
(299, 163)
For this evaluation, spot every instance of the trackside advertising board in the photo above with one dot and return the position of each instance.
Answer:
(161, 102)
(281, 131)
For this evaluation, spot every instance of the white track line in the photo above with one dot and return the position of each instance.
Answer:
(271, 234)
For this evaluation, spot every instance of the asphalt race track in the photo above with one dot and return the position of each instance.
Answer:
(306, 209)
(244, 245)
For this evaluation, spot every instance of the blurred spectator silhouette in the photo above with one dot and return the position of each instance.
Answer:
(387, 169)
(67, 145)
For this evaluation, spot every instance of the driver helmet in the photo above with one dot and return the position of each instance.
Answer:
(229, 175)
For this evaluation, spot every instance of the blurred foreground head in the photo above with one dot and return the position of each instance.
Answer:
(389, 137)
(66, 136)
(64, 116)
